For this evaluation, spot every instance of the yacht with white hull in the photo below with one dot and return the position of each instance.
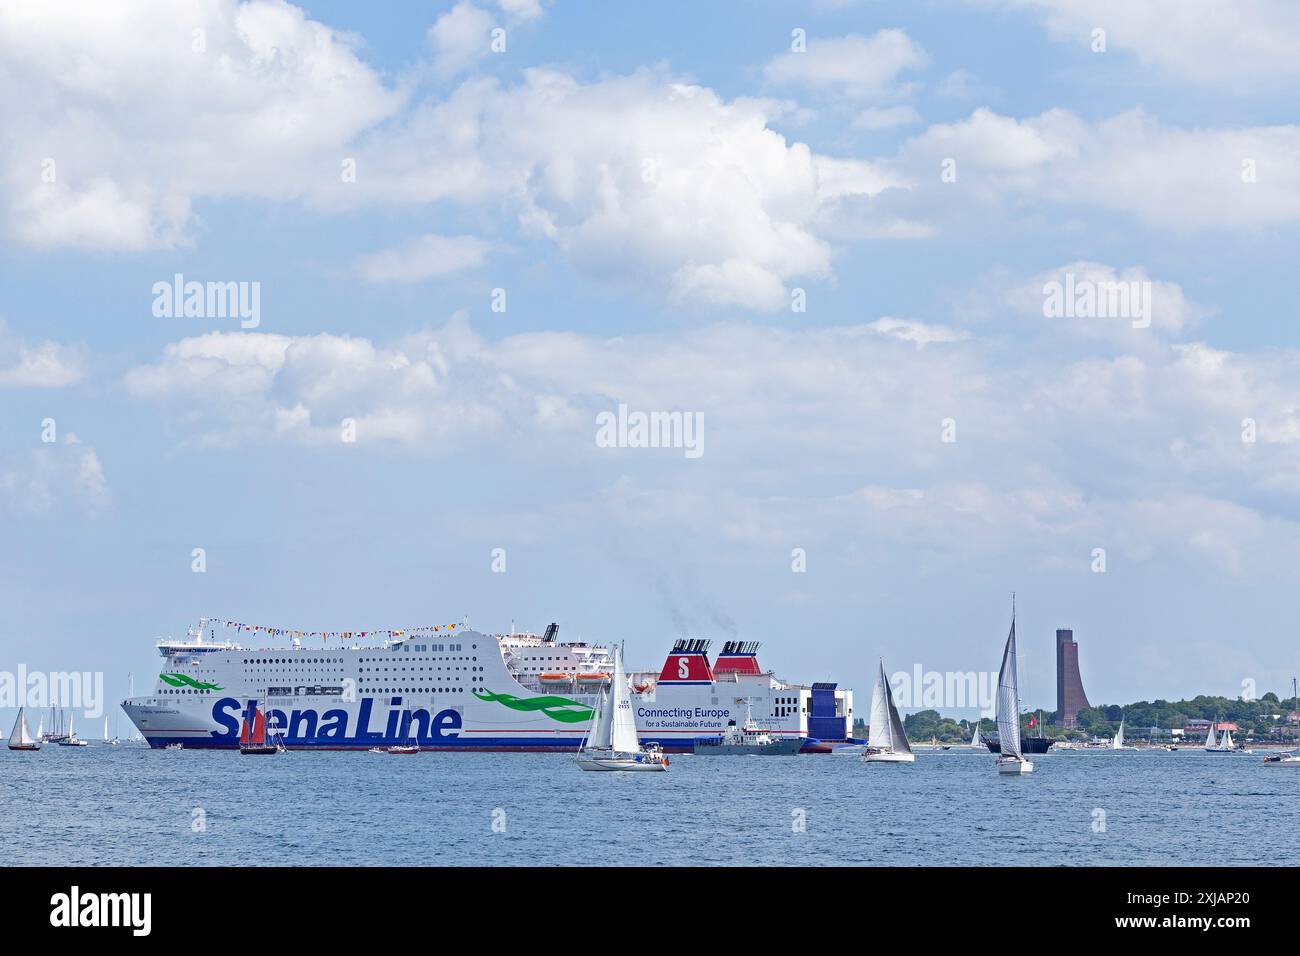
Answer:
(886, 739)
(612, 745)
(1011, 760)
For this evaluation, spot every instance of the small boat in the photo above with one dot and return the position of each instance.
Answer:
(1172, 748)
(56, 733)
(1117, 742)
(886, 739)
(751, 740)
(1283, 760)
(252, 734)
(111, 741)
(612, 743)
(70, 739)
(1219, 745)
(412, 746)
(176, 746)
(1011, 760)
(21, 738)
(377, 750)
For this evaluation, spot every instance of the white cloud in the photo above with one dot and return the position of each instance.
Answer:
(52, 475)
(1169, 178)
(460, 38)
(44, 364)
(522, 9)
(257, 100)
(918, 333)
(425, 257)
(669, 186)
(1245, 44)
(854, 66)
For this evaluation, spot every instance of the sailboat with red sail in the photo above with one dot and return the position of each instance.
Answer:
(252, 735)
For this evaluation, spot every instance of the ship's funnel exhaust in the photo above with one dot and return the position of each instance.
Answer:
(688, 662)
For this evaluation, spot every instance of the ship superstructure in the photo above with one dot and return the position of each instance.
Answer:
(464, 690)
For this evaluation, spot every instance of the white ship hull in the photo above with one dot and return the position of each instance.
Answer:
(455, 693)
(1013, 767)
(887, 756)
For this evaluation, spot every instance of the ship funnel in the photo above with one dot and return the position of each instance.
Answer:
(688, 662)
(552, 632)
(738, 657)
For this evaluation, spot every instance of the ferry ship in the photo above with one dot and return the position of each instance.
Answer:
(464, 690)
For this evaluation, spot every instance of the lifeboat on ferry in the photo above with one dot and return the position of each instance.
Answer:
(556, 678)
(593, 678)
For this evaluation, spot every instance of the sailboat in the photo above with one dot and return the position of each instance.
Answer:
(111, 741)
(1011, 760)
(612, 743)
(71, 739)
(21, 738)
(1216, 745)
(1117, 742)
(412, 746)
(252, 735)
(886, 740)
(975, 742)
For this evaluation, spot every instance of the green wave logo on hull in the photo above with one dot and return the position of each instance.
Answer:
(181, 680)
(557, 708)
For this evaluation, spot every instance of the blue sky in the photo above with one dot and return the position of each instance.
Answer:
(769, 171)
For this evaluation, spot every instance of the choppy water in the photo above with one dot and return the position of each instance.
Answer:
(128, 805)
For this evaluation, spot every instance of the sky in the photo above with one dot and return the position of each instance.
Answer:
(824, 231)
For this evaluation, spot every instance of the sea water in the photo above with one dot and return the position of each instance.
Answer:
(130, 805)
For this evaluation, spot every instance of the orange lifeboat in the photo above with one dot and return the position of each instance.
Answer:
(556, 678)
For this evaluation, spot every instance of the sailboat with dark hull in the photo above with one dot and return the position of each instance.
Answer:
(252, 735)
(21, 738)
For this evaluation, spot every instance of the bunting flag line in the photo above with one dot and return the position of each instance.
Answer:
(391, 632)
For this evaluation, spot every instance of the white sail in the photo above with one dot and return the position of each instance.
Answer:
(623, 735)
(898, 736)
(40, 728)
(1009, 699)
(1118, 742)
(1210, 739)
(21, 735)
(1226, 742)
(880, 730)
(601, 724)
(106, 728)
(975, 736)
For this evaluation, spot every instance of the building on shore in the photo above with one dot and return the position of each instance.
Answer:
(1070, 698)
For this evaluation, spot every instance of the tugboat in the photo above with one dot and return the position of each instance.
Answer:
(751, 739)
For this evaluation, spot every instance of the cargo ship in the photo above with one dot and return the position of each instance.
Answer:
(460, 689)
